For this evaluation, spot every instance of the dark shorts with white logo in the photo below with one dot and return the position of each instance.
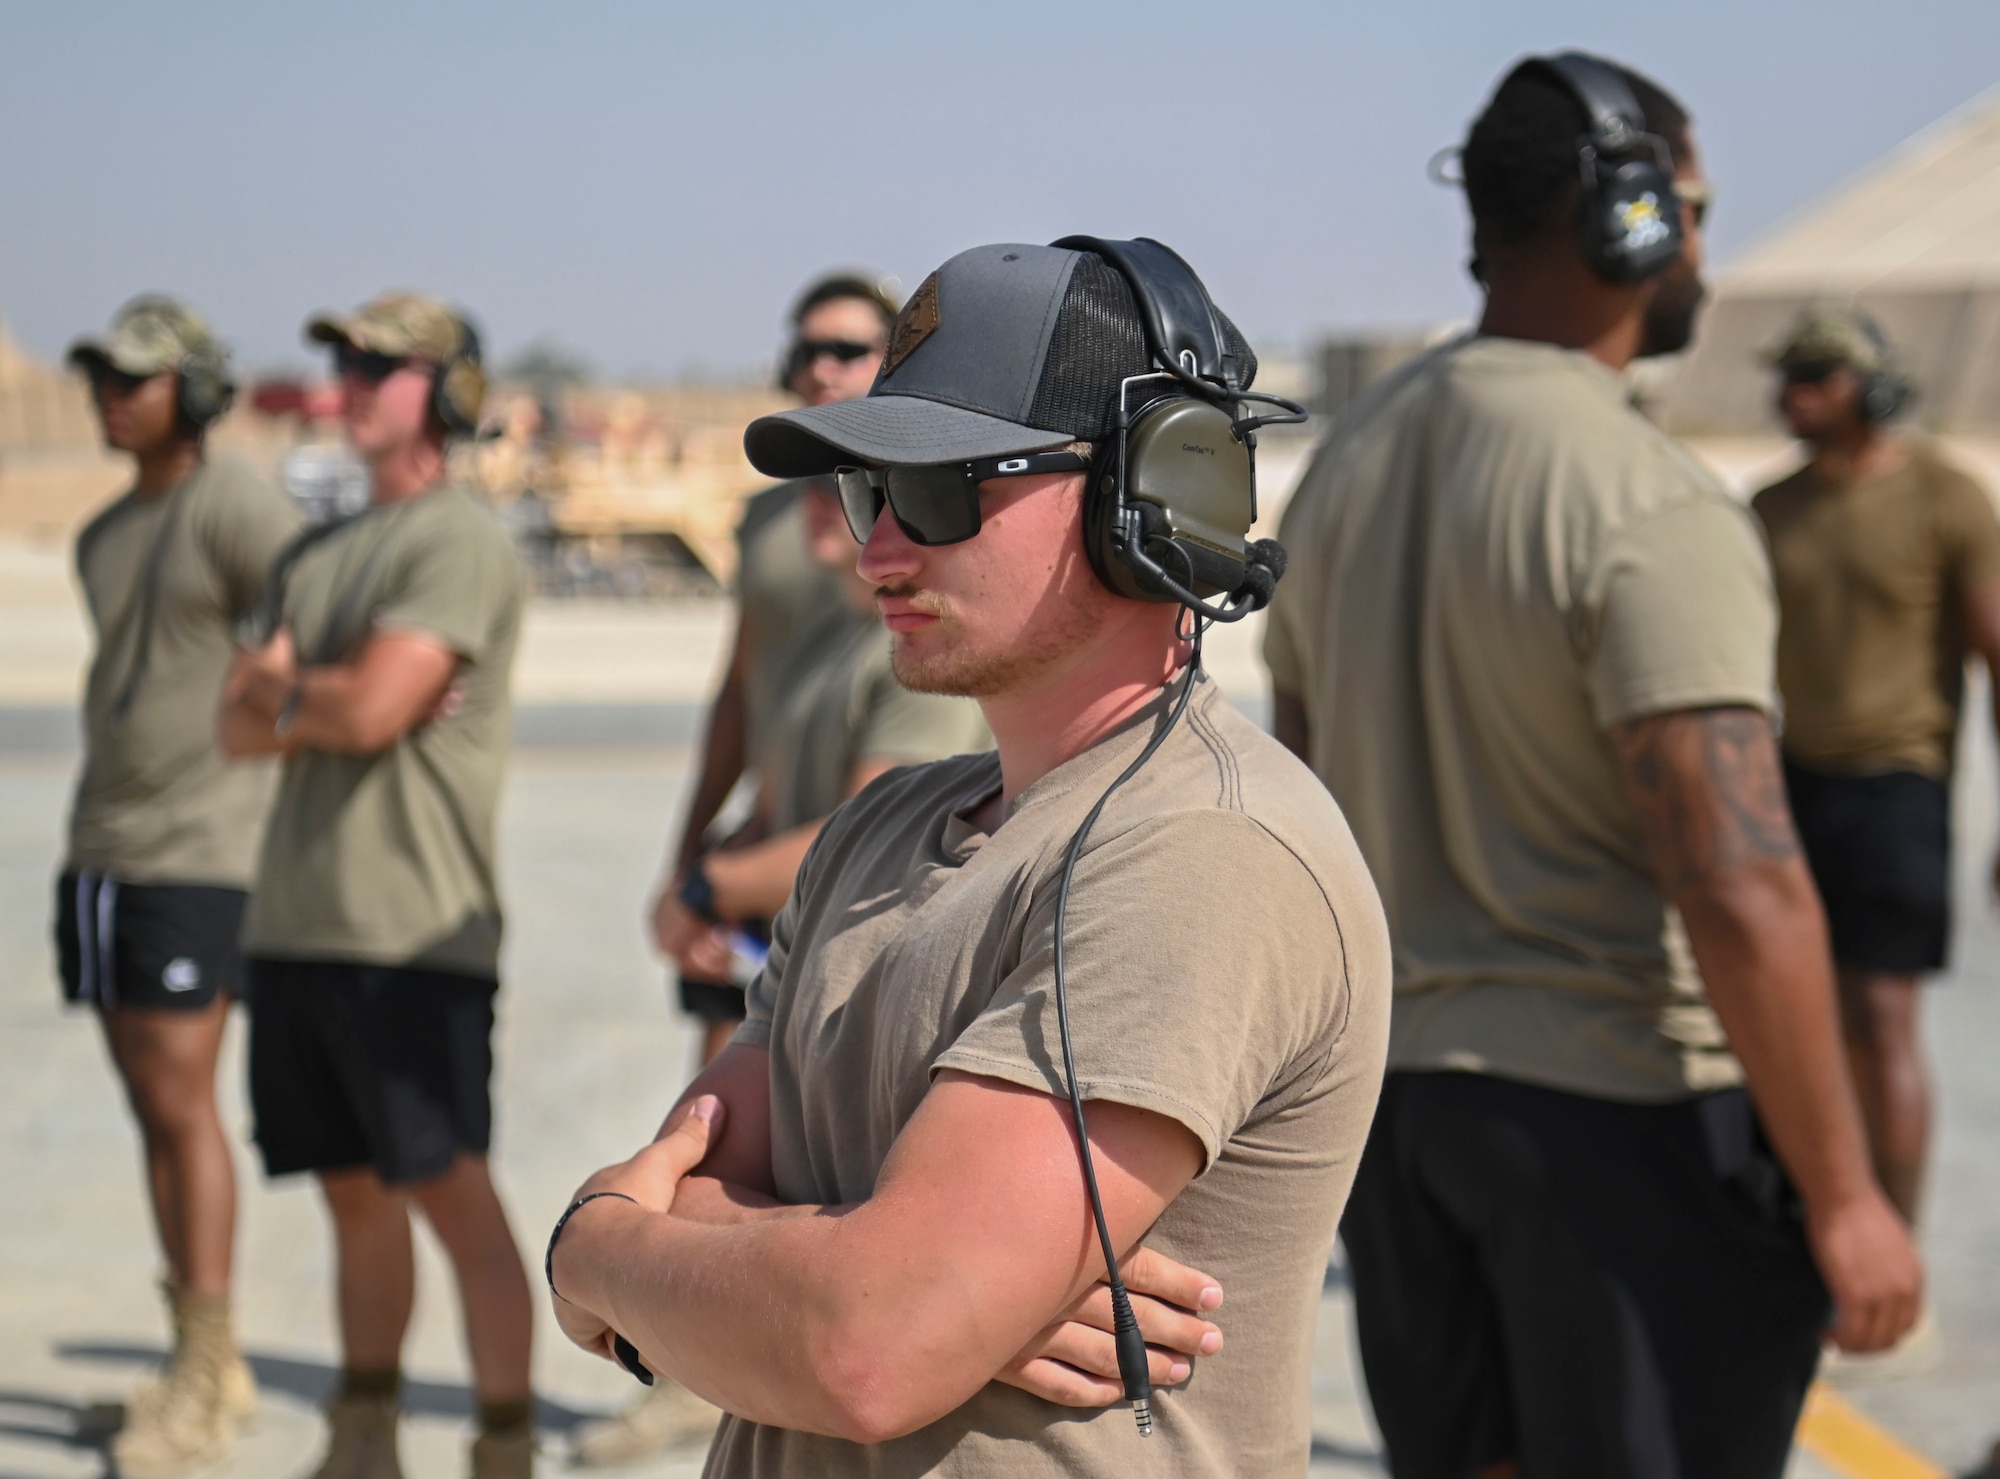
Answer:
(169, 946)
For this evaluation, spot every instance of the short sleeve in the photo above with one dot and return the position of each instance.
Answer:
(760, 997)
(1970, 531)
(1281, 644)
(905, 726)
(247, 528)
(1203, 966)
(1680, 614)
(455, 585)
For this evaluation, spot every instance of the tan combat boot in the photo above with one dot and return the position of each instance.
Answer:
(187, 1419)
(210, 1317)
(665, 1417)
(360, 1440)
(504, 1455)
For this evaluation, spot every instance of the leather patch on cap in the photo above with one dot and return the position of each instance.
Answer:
(916, 323)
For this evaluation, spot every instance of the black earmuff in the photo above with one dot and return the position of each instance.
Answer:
(1884, 391)
(1173, 489)
(1631, 213)
(459, 388)
(202, 387)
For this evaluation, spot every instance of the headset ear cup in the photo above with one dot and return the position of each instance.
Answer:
(457, 395)
(1632, 223)
(1882, 396)
(202, 389)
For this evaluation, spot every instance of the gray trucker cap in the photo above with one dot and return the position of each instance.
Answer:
(1003, 350)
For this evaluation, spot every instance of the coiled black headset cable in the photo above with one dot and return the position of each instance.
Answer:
(1130, 1343)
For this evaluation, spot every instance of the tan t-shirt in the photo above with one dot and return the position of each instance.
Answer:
(781, 591)
(1227, 968)
(1872, 576)
(388, 859)
(156, 802)
(1494, 560)
(837, 703)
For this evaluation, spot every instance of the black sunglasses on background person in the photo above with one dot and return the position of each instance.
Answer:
(369, 366)
(937, 504)
(805, 351)
(108, 377)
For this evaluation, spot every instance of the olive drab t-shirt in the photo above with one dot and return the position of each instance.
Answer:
(388, 859)
(1227, 967)
(781, 591)
(156, 802)
(1872, 577)
(1495, 561)
(836, 704)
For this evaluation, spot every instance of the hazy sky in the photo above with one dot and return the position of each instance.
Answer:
(647, 183)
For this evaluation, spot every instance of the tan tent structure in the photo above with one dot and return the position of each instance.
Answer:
(1915, 241)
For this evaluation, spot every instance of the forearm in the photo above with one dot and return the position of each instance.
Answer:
(791, 1320)
(1759, 936)
(333, 707)
(753, 882)
(724, 753)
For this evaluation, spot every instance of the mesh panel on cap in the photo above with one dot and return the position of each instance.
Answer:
(1098, 342)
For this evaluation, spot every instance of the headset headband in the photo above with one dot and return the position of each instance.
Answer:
(1617, 123)
(1175, 310)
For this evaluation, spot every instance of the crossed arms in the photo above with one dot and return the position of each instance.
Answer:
(972, 1260)
(395, 682)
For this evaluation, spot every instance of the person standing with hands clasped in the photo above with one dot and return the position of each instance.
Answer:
(871, 1232)
(382, 678)
(1535, 665)
(163, 833)
(1887, 561)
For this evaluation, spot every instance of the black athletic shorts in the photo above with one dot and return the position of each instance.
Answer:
(712, 1001)
(369, 1065)
(1880, 851)
(1593, 1290)
(153, 945)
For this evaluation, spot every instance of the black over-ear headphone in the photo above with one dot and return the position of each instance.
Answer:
(459, 388)
(1631, 215)
(1884, 392)
(1173, 491)
(202, 387)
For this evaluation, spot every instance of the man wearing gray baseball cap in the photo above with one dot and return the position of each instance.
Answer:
(871, 1231)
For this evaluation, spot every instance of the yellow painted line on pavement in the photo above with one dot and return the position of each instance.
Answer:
(1841, 1438)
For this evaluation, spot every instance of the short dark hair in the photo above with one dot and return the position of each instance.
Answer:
(836, 286)
(1520, 160)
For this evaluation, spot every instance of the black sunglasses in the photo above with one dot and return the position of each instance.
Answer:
(847, 351)
(369, 366)
(109, 377)
(937, 504)
(1815, 373)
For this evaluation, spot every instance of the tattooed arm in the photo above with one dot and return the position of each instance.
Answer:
(1710, 796)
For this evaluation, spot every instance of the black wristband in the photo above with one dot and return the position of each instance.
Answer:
(549, 1258)
(699, 894)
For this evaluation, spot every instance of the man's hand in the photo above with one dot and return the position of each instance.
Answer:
(262, 677)
(699, 948)
(651, 1179)
(1864, 1254)
(1075, 1362)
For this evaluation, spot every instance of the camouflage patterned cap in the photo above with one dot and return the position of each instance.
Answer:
(150, 334)
(394, 323)
(1835, 334)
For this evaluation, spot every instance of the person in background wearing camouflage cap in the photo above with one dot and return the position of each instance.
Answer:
(840, 324)
(163, 833)
(1887, 562)
(374, 937)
